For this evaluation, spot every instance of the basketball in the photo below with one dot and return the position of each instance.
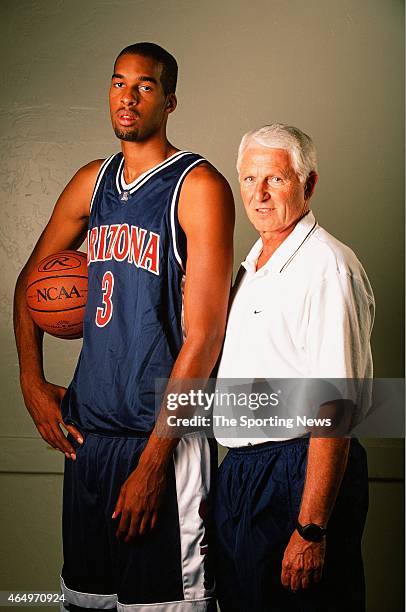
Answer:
(56, 294)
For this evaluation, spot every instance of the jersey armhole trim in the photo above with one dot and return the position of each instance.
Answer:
(100, 174)
(174, 206)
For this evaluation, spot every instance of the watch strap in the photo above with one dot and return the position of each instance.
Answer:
(311, 532)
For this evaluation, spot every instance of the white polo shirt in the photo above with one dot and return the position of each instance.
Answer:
(307, 313)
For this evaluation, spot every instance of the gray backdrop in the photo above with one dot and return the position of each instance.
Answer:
(334, 69)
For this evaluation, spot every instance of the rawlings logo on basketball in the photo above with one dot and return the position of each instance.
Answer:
(59, 263)
(124, 243)
(56, 293)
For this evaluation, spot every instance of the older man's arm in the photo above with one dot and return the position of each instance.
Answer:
(303, 561)
(339, 329)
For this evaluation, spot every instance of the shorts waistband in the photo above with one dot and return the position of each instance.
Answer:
(116, 433)
(266, 446)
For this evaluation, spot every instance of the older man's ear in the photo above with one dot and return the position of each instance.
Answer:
(310, 185)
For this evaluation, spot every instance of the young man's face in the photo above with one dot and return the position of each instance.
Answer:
(138, 105)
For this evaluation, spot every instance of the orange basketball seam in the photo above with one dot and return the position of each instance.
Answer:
(59, 310)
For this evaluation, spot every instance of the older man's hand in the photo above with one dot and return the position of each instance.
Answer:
(302, 562)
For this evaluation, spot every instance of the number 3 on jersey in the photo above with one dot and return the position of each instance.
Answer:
(104, 312)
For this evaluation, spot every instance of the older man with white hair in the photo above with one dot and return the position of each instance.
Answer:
(290, 512)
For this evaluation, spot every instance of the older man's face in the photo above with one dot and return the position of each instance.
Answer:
(273, 196)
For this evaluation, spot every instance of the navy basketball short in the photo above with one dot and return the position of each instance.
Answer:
(257, 504)
(167, 569)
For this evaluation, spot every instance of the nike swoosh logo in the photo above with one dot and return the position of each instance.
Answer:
(257, 311)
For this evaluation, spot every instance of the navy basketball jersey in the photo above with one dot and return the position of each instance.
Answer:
(133, 320)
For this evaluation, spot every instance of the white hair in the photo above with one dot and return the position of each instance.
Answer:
(280, 136)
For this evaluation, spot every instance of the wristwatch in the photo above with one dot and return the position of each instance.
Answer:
(311, 532)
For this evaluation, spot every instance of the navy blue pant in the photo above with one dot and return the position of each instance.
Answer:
(257, 504)
(171, 563)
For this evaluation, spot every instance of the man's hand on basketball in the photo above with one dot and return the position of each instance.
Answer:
(43, 403)
(139, 500)
(302, 562)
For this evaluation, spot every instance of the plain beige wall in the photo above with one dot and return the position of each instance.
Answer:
(334, 69)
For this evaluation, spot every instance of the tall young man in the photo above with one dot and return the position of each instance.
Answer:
(159, 223)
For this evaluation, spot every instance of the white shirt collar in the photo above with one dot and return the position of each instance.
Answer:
(286, 251)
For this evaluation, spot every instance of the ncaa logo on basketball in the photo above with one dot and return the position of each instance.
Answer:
(55, 293)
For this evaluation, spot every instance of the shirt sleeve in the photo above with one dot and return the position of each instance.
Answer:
(341, 314)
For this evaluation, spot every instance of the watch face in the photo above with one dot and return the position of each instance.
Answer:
(312, 532)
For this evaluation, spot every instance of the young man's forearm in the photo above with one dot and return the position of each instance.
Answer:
(196, 360)
(29, 338)
(41, 398)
